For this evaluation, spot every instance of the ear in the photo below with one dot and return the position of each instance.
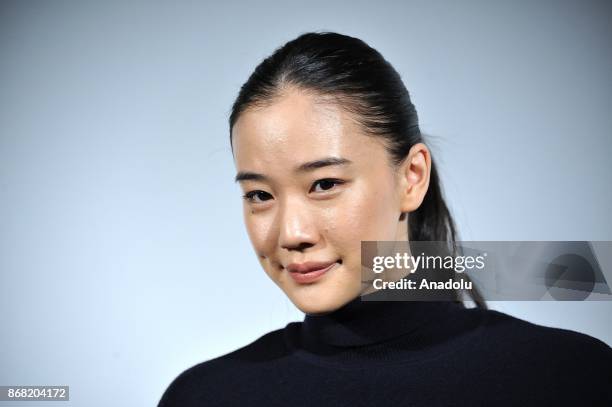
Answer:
(414, 177)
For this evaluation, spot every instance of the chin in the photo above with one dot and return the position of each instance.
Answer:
(320, 302)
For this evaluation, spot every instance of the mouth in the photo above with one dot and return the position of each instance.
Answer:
(310, 272)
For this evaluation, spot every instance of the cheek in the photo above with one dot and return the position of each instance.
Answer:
(258, 230)
(358, 218)
(361, 215)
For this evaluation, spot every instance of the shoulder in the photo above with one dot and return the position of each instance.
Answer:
(223, 375)
(510, 330)
(497, 335)
(565, 362)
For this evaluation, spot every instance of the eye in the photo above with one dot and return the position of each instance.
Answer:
(327, 183)
(250, 196)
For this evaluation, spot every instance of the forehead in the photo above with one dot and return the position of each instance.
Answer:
(297, 127)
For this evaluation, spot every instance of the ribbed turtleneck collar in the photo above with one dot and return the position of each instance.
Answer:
(366, 321)
(363, 333)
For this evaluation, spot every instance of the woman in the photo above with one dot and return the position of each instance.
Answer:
(329, 154)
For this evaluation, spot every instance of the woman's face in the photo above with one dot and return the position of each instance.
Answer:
(315, 187)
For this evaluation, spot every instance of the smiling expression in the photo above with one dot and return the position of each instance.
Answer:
(314, 187)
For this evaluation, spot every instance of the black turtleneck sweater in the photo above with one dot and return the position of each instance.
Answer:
(399, 353)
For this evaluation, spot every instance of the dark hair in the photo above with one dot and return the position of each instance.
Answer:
(350, 72)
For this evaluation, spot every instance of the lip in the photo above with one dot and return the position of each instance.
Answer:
(310, 271)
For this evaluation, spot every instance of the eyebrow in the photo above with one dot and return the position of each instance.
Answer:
(306, 167)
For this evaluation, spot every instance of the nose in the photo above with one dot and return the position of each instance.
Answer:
(298, 230)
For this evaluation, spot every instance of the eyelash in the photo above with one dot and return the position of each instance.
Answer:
(250, 195)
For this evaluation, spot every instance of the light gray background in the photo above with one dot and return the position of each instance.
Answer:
(123, 255)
